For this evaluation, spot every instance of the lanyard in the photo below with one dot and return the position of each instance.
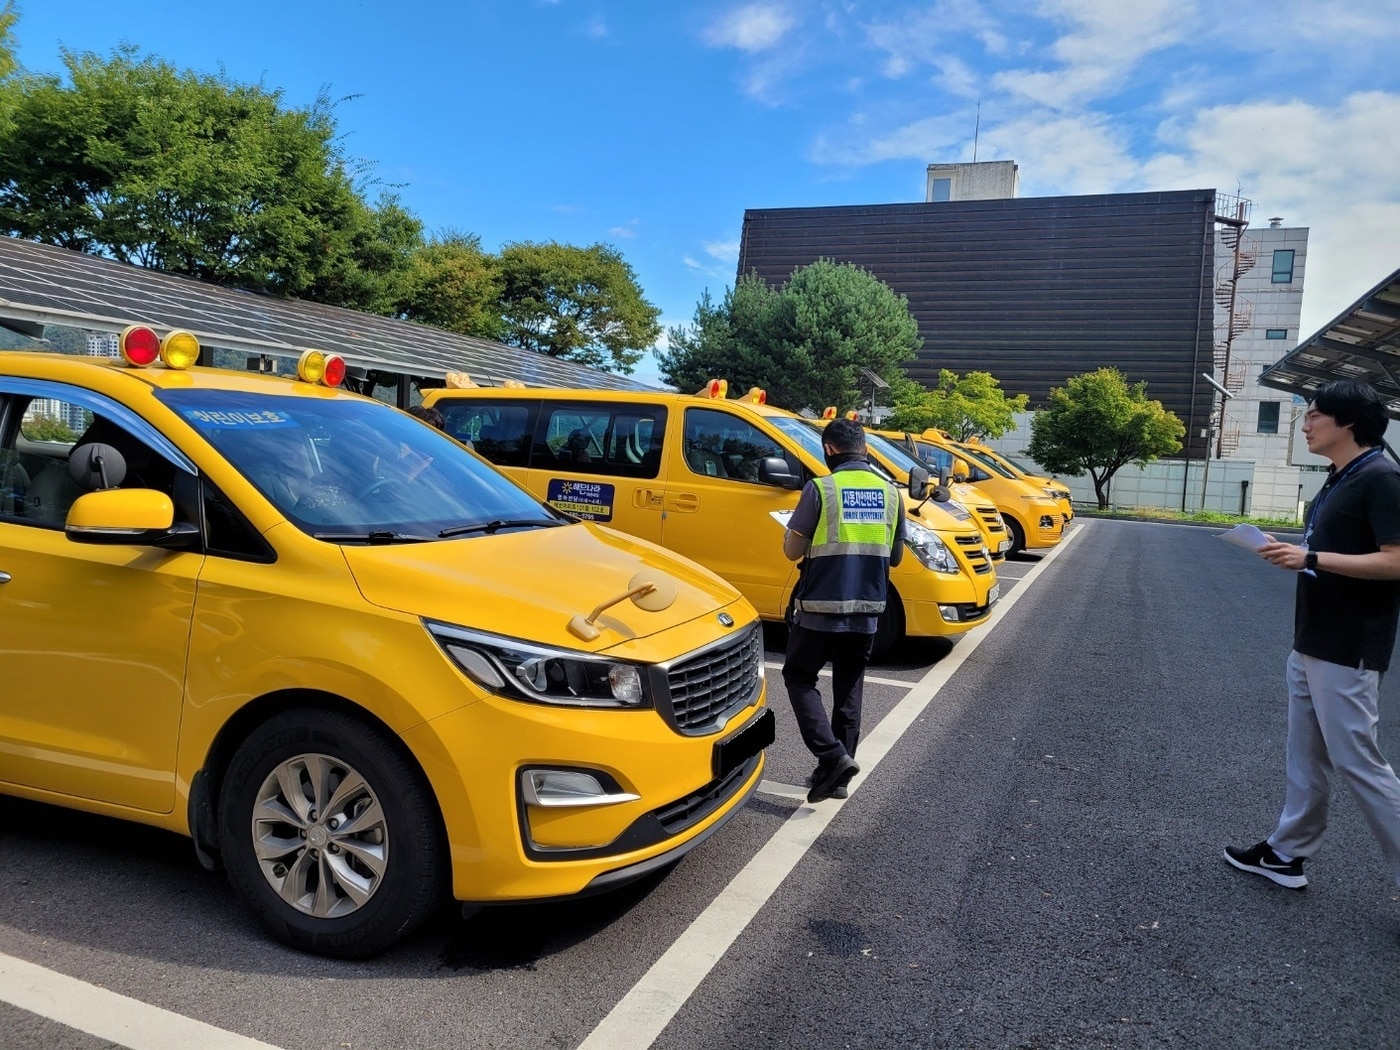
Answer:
(1331, 487)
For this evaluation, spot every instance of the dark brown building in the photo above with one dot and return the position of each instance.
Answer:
(1034, 289)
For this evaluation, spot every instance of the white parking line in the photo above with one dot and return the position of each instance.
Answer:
(643, 1013)
(107, 1015)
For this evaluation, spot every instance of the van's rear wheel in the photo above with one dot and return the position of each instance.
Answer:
(330, 835)
(890, 628)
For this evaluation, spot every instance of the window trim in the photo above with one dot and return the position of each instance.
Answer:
(1292, 264)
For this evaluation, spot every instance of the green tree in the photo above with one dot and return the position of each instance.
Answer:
(580, 304)
(8, 17)
(48, 428)
(451, 283)
(806, 343)
(971, 406)
(1098, 423)
(195, 175)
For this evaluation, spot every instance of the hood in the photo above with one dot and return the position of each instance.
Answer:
(530, 584)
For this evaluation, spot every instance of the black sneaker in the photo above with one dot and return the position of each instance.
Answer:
(839, 791)
(831, 775)
(1262, 860)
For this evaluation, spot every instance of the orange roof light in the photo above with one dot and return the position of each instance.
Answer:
(829, 412)
(317, 366)
(139, 345)
(179, 349)
(715, 388)
(853, 414)
(757, 395)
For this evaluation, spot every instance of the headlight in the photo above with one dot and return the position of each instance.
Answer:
(928, 548)
(542, 674)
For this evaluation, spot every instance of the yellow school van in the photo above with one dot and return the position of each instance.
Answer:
(1032, 517)
(1054, 488)
(893, 450)
(362, 669)
(709, 477)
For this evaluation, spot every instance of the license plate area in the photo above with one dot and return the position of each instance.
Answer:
(734, 750)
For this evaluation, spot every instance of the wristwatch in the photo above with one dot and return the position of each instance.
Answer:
(1310, 560)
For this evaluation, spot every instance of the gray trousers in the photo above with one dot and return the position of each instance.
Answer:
(1332, 716)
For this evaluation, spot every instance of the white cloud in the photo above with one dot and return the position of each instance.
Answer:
(1324, 167)
(596, 28)
(724, 251)
(755, 27)
(627, 230)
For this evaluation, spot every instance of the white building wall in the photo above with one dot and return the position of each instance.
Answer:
(981, 181)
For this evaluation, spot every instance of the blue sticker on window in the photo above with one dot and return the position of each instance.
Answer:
(862, 506)
(238, 419)
(590, 500)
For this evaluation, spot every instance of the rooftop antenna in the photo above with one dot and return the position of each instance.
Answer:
(976, 130)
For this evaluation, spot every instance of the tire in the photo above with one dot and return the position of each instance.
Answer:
(890, 628)
(1018, 536)
(330, 834)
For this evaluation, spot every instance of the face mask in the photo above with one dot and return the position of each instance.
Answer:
(835, 459)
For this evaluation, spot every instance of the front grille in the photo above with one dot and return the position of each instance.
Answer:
(991, 517)
(972, 551)
(704, 689)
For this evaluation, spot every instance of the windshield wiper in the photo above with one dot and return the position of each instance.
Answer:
(496, 524)
(374, 539)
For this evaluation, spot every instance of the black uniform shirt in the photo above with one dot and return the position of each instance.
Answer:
(1337, 618)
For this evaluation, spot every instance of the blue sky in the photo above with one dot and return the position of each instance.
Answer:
(652, 124)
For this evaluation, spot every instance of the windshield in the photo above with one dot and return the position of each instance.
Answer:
(988, 463)
(897, 457)
(809, 435)
(1020, 464)
(350, 469)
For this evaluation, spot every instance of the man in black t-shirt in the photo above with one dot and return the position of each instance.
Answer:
(1345, 612)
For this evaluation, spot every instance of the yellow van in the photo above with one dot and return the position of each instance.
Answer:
(1032, 517)
(892, 449)
(709, 477)
(361, 668)
(1054, 488)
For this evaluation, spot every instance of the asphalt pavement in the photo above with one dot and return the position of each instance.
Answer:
(1031, 859)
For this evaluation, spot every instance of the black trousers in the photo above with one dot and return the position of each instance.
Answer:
(808, 652)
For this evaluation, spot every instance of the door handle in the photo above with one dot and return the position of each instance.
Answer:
(647, 499)
(686, 502)
(4, 576)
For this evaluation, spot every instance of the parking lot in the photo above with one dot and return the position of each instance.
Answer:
(1031, 857)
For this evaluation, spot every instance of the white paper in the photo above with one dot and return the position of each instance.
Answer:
(781, 516)
(1251, 538)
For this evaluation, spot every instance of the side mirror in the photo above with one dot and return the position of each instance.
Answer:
(961, 470)
(918, 484)
(773, 470)
(143, 517)
(941, 493)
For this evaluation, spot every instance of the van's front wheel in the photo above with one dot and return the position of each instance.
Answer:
(890, 628)
(330, 835)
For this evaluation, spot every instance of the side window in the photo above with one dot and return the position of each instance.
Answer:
(35, 482)
(498, 430)
(575, 438)
(721, 445)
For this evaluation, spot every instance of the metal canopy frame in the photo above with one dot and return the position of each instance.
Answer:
(1362, 343)
(44, 285)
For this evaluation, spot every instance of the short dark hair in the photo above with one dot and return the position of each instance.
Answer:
(1356, 404)
(431, 416)
(844, 435)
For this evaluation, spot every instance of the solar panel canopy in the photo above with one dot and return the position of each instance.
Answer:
(44, 285)
(1363, 342)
